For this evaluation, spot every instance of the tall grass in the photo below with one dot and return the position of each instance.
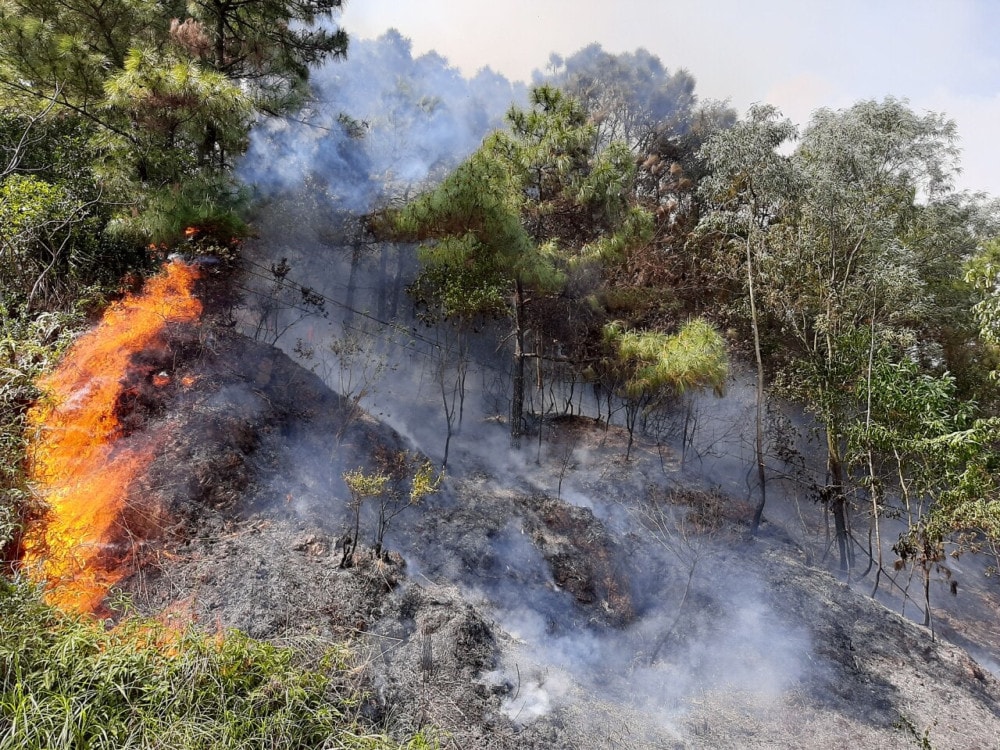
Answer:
(71, 683)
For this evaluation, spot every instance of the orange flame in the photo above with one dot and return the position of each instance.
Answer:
(76, 465)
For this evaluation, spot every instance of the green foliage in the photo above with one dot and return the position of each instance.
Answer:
(946, 458)
(401, 480)
(167, 92)
(53, 238)
(426, 481)
(854, 276)
(655, 363)
(475, 216)
(494, 222)
(364, 485)
(983, 273)
(446, 290)
(67, 682)
(636, 229)
(648, 368)
(46, 235)
(267, 45)
(53, 149)
(746, 168)
(174, 105)
(212, 203)
(29, 346)
(968, 503)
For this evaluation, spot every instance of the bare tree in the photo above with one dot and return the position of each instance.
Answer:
(284, 304)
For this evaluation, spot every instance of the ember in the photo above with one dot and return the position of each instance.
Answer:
(77, 463)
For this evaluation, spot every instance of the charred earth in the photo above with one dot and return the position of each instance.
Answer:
(625, 610)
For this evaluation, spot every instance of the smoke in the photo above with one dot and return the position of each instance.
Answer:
(381, 123)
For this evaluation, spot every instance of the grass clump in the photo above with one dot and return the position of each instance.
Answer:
(69, 682)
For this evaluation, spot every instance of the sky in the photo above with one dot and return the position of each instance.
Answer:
(941, 56)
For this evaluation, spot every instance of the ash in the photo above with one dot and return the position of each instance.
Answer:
(618, 611)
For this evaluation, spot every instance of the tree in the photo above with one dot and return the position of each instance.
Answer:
(169, 102)
(634, 100)
(850, 262)
(843, 265)
(920, 440)
(362, 486)
(632, 97)
(510, 225)
(400, 480)
(983, 273)
(54, 241)
(173, 105)
(268, 46)
(44, 230)
(750, 183)
(654, 366)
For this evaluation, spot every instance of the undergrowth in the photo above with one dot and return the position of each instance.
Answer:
(29, 345)
(69, 682)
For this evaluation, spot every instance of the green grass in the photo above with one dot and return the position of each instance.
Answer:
(70, 682)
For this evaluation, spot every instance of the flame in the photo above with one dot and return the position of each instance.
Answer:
(190, 232)
(77, 463)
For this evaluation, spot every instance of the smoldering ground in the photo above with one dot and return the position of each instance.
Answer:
(611, 623)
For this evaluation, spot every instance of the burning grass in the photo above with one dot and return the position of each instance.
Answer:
(67, 682)
(78, 463)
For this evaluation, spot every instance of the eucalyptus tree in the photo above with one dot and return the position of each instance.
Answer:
(750, 186)
(858, 250)
(845, 267)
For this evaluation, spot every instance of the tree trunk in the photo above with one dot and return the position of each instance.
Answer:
(517, 398)
(759, 439)
(874, 485)
(352, 283)
(838, 502)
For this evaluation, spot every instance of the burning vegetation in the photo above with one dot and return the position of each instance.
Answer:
(81, 462)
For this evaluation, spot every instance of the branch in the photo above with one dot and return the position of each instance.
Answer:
(24, 141)
(55, 99)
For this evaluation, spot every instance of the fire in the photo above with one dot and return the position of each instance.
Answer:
(78, 464)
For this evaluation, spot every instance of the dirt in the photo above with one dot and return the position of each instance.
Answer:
(507, 616)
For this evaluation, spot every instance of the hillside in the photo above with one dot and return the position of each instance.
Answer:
(625, 611)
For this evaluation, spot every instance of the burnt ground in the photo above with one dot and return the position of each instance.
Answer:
(615, 612)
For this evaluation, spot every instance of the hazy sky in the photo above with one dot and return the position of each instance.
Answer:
(942, 56)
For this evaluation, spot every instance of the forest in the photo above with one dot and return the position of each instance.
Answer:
(603, 243)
